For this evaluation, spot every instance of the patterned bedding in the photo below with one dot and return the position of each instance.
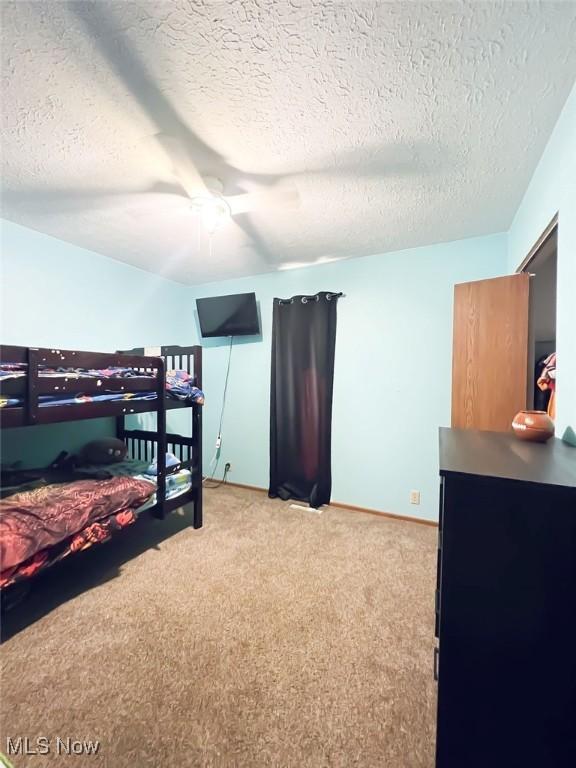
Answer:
(33, 520)
(179, 386)
(176, 485)
(18, 371)
(47, 400)
(95, 533)
(25, 534)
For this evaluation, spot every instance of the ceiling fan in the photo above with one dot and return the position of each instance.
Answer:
(208, 181)
(207, 193)
(217, 196)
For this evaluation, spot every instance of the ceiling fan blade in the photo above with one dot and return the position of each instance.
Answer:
(70, 201)
(284, 195)
(242, 203)
(245, 223)
(182, 166)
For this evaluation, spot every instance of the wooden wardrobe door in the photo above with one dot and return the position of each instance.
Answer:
(490, 352)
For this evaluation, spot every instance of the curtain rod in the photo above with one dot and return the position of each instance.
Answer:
(313, 297)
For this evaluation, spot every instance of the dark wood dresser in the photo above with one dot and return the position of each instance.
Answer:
(506, 602)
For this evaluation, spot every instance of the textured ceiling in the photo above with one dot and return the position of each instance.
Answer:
(400, 124)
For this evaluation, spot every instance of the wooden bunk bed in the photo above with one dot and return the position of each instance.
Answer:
(41, 386)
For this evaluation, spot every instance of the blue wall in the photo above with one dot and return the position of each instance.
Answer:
(392, 378)
(553, 190)
(52, 293)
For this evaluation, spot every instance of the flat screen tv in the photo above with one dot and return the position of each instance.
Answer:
(234, 315)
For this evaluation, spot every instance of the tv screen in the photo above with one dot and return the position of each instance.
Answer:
(234, 315)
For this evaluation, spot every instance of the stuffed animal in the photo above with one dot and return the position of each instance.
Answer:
(107, 450)
(171, 461)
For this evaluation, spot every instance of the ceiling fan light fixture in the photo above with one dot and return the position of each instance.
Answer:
(213, 210)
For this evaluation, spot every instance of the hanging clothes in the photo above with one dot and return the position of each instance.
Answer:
(547, 382)
(303, 347)
(541, 396)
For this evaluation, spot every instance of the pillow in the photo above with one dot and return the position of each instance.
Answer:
(107, 450)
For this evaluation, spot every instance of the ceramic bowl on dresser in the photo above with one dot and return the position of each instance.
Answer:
(535, 426)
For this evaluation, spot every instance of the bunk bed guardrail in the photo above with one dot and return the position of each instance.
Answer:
(33, 385)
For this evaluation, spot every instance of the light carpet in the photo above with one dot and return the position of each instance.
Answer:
(271, 637)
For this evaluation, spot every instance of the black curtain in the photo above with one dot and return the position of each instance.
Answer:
(303, 344)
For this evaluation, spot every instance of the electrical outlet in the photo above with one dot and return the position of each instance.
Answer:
(414, 497)
(227, 467)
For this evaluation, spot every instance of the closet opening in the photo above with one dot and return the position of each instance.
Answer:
(541, 265)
